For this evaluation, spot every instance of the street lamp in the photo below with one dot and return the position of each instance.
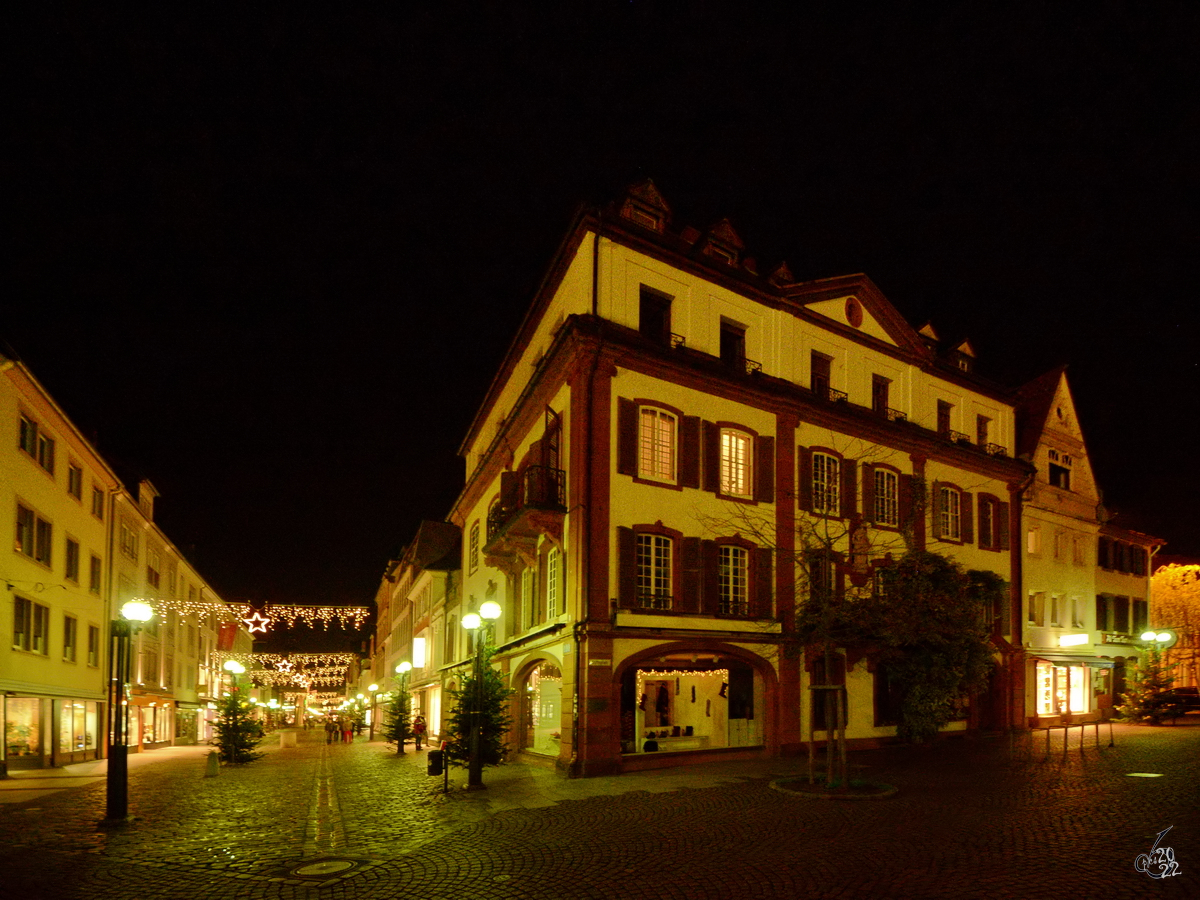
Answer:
(480, 623)
(373, 688)
(133, 615)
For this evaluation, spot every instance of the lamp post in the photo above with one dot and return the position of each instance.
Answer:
(480, 623)
(124, 627)
(374, 689)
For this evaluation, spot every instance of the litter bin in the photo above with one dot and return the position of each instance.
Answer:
(435, 761)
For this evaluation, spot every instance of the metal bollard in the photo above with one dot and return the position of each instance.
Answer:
(213, 765)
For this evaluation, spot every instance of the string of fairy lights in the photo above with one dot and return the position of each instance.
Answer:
(302, 670)
(259, 620)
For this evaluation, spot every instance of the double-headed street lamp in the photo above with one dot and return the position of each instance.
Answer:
(134, 614)
(481, 624)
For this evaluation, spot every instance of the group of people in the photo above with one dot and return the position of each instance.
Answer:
(339, 729)
(342, 729)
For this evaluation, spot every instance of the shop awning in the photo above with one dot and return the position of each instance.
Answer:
(1064, 659)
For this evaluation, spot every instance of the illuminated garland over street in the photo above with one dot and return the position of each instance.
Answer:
(346, 616)
(259, 620)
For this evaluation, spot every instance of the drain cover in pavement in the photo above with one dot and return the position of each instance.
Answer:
(321, 868)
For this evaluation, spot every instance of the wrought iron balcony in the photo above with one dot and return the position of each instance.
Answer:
(895, 415)
(957, 437)
(678, 341)
(536, 488)
(995, 450)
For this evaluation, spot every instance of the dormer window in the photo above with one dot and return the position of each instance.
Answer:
(646, 217)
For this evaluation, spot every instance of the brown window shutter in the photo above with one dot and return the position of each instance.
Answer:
(967, 517)
(690, 576)
(761, 583)
(1000, 526)
(764, 469)
(868, 492)
(849, 488)
(804, 482)
(935, 506)
(710, 589)
(689, 452)
(627, 437)
(712, 457)
(626, 567)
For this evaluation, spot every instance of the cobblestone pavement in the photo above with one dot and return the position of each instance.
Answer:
(969, 820)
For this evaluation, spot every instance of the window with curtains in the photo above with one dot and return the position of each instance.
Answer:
(736, 476)
(657, 433)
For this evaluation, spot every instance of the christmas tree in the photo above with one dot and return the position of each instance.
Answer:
(397, 727)
(1146, 700)
(493, 719)
(237, 733)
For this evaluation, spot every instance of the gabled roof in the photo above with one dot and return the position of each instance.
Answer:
(1034, 401)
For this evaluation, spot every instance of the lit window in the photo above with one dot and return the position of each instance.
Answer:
(949, 509)
(887, 497)
(735, 463)
(826, 485)
(656, 444)
(733, 581)
(654, 571)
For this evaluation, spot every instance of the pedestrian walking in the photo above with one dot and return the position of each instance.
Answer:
(330, 729)
(419, 730)
(347, 731)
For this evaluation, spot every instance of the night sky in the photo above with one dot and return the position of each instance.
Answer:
(272, 262)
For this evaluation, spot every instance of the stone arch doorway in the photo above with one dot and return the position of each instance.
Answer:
(539, 709)
(695, 697)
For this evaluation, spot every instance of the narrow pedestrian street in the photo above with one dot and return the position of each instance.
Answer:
(357, 821)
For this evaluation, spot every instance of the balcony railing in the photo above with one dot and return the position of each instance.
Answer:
(995, 450)
(957, 437)
(678, 341)
(537, 487)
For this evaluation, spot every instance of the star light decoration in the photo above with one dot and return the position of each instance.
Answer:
(346, 616)
(257, 622)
